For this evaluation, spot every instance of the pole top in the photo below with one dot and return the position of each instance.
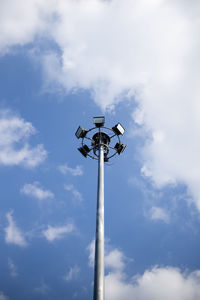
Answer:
(97, 136)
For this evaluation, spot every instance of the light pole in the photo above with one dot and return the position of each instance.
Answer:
(100, 145)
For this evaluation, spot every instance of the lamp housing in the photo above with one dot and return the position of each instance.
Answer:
(99, 121)
(120, 148)
(81, 132)
(118, 129)
(84, 150)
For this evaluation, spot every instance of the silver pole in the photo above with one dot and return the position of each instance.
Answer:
(99, 244)
(100, 145)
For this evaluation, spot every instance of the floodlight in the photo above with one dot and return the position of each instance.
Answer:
(118, 129)
(120, 147)
(99, 121)
(81, 132)
(84, 150)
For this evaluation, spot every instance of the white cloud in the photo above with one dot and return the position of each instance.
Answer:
(36, 191)
(159, 214)
(157, 283)
(65, 169)
(13, 234)
(14, 146)
(12, 267)
(3, 297)
(55, 233)
(72, 274)
(114, 259)
(22, 21)
(118, 47)
(91, 250)
(42, 289)
(148, 49)
(76, 194)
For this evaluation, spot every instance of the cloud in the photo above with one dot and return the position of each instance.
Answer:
(55, 233)
(42, 289)
(115, 48)
(156, 283)
(114, 259)
(72, 274)
(12, 267)
(34, 190)
(14, 146)
(3, 297)
(65, 169)
(91, 250)
(159, 214)
(13, 234)
(76, 194)
(144, 49)
(22, 22)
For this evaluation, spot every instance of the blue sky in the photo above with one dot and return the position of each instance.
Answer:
(61, 63)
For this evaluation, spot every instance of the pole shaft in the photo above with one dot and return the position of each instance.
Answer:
(99, 244)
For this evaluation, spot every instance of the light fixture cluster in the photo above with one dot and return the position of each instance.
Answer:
(100, 138)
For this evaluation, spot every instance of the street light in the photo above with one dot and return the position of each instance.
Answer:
(97, 144)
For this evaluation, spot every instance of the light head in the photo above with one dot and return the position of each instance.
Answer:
(84, 150)
(81, 132)
(99, 121)
(120, 148)
(118, 129)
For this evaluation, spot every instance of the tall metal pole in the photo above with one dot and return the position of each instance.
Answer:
(99, 244)
(100, 144)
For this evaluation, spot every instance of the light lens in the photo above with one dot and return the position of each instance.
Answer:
(118, 129)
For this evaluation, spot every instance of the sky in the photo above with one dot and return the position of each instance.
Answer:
(62, 63)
